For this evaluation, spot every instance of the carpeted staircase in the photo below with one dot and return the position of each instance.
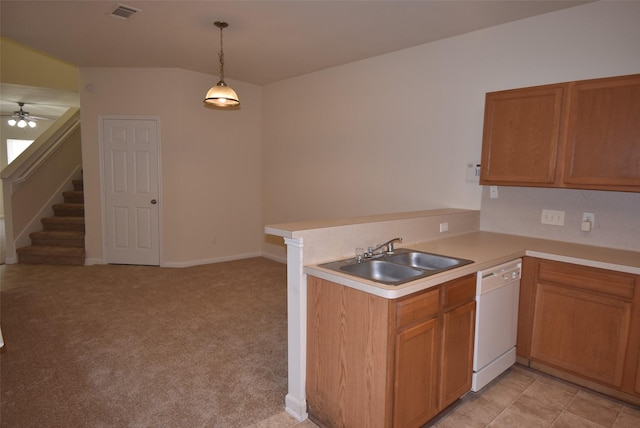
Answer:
(62, 240)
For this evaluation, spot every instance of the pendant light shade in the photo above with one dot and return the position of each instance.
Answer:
(221, 95)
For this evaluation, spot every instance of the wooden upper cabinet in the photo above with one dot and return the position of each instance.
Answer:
(603, 134)
(583, 134)
(521, 136)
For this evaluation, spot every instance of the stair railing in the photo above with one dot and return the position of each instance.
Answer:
(35, 180)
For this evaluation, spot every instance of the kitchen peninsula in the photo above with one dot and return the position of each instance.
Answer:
(312, 243)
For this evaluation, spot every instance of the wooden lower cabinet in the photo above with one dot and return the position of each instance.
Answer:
(584, 326)
(525, 309)
(347, 356)
(636, 389)
(457, 353)
(585, 333)
(374, 362)
(416, 367)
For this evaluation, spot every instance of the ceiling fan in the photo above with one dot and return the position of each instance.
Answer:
(22, 119)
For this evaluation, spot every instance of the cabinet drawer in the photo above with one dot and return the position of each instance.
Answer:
(417, 308)
(587, 278)
(459, 292)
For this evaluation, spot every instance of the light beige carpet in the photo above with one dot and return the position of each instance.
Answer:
(116, 346)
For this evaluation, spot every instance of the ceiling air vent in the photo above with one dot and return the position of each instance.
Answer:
(124, 12)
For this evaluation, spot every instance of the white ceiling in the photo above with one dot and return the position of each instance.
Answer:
(266, 41)
(42, 102)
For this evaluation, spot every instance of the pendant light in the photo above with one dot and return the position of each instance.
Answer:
(222, 95)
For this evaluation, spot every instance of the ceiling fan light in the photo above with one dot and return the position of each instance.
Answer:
(222, 95)
(32, 124)
(12, 122)
(22, 123)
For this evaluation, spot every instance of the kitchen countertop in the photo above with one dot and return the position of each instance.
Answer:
(488, 249)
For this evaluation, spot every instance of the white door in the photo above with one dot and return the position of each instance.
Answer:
(130, 167)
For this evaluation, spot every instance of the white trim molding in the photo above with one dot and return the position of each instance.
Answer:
(296, 401)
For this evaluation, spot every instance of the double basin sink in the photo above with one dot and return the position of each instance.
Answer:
(403, 265)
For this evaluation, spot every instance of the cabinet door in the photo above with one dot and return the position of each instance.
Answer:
(525, 308)
(522, 131)
(416, 374)
(603, 134)
(582, 332)
(457, 353)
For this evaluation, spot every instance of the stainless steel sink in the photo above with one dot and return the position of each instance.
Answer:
(382, 271)
(402, 266)
(425, 260)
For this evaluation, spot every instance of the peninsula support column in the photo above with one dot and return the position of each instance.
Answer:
(296, 400)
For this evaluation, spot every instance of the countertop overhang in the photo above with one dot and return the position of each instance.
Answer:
(488, 249)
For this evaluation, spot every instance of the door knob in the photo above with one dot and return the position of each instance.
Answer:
(153, 202)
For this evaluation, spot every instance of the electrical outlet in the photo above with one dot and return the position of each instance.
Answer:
(493, 192)
(553, 217)
(444, 227)
(588, 220)
(589, 217)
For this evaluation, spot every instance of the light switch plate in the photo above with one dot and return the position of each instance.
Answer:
(473, 172)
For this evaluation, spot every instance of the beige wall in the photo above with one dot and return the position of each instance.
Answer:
(394, 133)
(22, 65)
(518, 211)
(210, 161)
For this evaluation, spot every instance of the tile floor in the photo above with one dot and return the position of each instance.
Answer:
(521, 398)
(525, 398)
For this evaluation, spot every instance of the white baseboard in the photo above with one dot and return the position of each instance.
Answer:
(209, 261)
(282, 260)
(295, 408)
(170, 264)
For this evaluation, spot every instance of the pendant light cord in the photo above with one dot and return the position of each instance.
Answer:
(221, 57)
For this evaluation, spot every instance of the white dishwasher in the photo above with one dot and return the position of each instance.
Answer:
(497, 293)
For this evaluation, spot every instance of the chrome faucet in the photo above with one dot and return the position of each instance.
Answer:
(371, 251)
